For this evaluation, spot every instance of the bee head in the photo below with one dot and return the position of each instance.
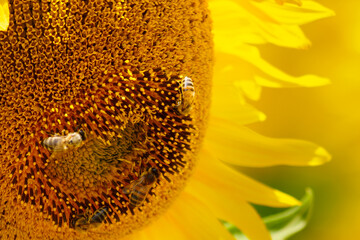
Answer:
(82, 134)
(154, 171)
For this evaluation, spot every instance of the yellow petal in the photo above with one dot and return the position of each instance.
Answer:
(227, 181)
(241, 114)
(251, 89)
(282, 2)
(238, 145)
(186, 219)
(284, 35)
(243, 22)
(232, 25)
(239, 213)
(4, 15)
(285, 80)
(228, 99)
(260, 71)
(245, 5)
(161, 228)
(294, 14)
(228, 102)
(232, 73)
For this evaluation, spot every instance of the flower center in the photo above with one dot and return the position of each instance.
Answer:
(97, 127)
(144, 131)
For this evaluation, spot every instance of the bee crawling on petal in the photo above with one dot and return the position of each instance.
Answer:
(59, 143)
(138, 189)
(187, 96)
(87, 221)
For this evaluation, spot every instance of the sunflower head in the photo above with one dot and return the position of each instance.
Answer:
(93, 131)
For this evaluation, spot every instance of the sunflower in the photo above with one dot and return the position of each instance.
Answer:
(106, 129)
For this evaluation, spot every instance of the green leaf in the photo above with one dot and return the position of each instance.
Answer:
(284, 224)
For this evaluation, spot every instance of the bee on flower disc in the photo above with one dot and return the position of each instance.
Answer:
(138, 189)
(59, 143)
(91, 221)
(187, 96)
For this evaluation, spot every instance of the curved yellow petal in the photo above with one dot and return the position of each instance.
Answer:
(262, 72)
(228, 94)
(228, 102)
(233, 25)
(186, 219)
(282, 80)
(285, 35)
(232, 74)
(238, 145)
(4, 15)
(161, 228)
(281, 2)
(295, 14)
(241, 114)
(227, 181)
(239, 213)
(243, 22)
(251, 89)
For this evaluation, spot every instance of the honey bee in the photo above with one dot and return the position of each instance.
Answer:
(187, 96)
(138, 189)
(87, 220)
(59, 143)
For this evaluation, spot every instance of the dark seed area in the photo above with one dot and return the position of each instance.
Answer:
(131, 124)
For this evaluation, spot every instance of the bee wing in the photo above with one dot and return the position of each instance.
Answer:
(146, 189)
(127, 188)
(60, 147)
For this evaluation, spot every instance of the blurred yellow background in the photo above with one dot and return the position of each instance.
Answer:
(329, 116)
